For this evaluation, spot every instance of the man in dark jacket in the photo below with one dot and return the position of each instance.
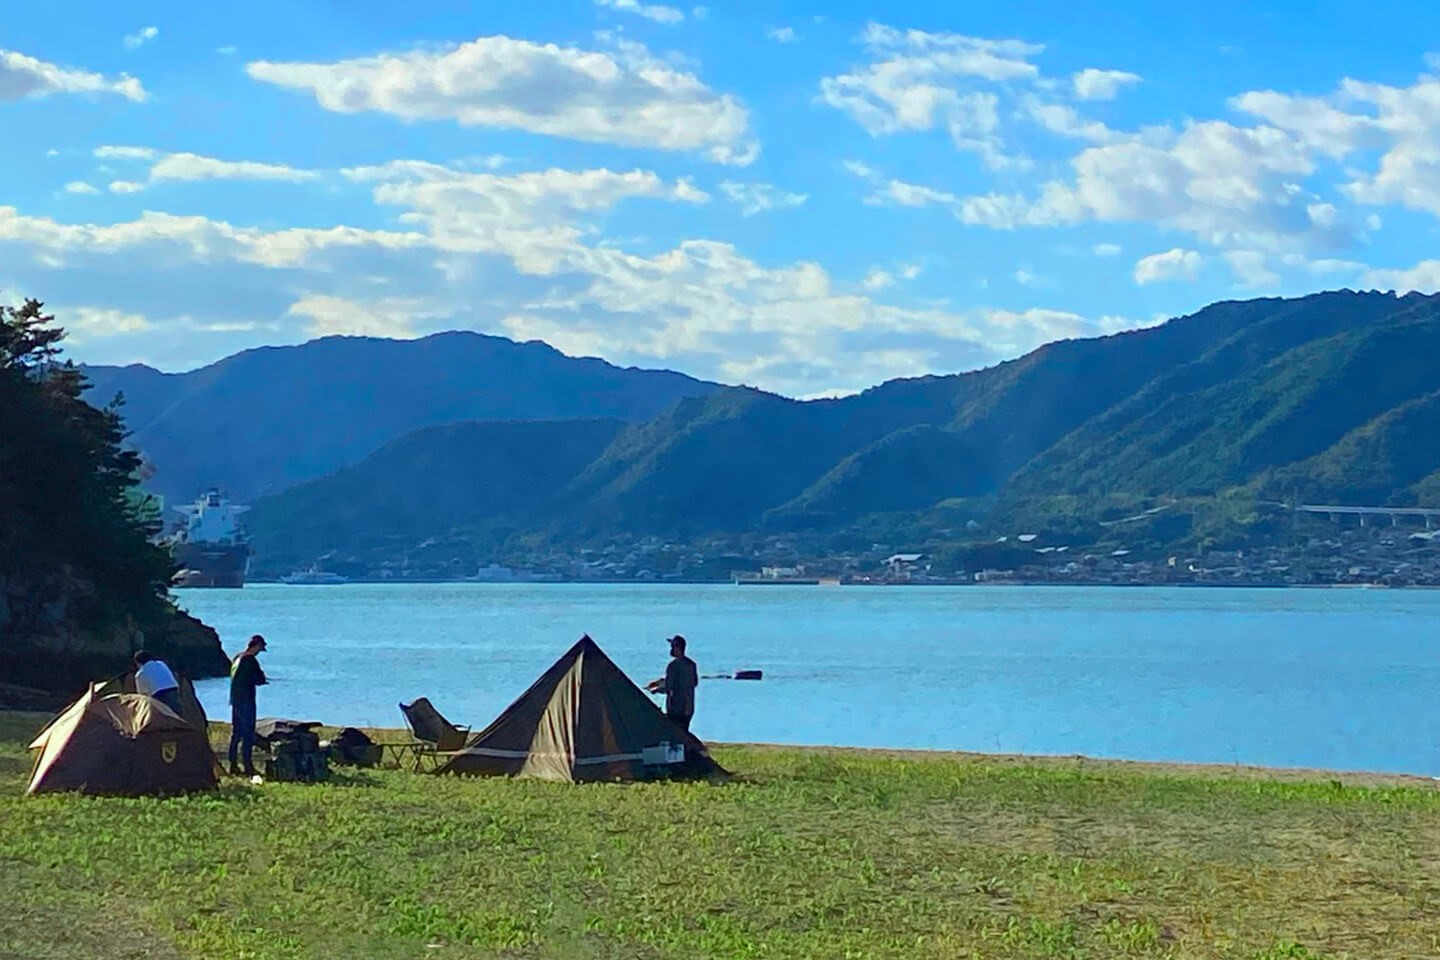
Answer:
(681, 679)
(245, 676)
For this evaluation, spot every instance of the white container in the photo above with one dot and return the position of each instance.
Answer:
(663, 753)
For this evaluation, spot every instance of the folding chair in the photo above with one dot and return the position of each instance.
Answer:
(431, 734)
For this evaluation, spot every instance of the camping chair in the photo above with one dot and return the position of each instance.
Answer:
(431, 734)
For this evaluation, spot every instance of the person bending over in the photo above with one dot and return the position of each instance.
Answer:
(154, 678)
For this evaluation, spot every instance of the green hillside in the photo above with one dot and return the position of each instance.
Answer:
(1212, 417)
(481, 480)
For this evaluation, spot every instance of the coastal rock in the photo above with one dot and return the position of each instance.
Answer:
(47, 644)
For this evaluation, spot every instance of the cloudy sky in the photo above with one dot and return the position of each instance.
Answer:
(809, 198)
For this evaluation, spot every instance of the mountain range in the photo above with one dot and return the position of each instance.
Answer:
(1204, 422)
(264, 420)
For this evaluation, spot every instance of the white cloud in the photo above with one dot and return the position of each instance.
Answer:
(1027, 278)
(1424, 277)
(753, 198)
(1228, 186)
(915, 82)
(1174, 264)
(1095, 84)
(656, 12)
(464, 203)
(141, 37)
(1402, 123)
(79, 187)
(125, 153)
(1106, 249)
(519, 254)
(859, 169)
(1324, 266)
(22, 76)
(83, 323)
(1065, 121)
(904, 194)
(192, 167)
(878, 279)
(227, 51)
(781, 34)
(626, 97)
(1251, 268)
(172, 240)
(326, 315)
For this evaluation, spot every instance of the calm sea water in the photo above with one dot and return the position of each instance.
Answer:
(1343, 679)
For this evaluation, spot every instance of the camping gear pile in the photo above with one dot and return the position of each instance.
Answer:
(352, 748)
(294, 749)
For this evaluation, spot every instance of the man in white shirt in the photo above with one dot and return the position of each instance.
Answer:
(154, 679)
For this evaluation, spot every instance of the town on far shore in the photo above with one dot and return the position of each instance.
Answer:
(1351, 547)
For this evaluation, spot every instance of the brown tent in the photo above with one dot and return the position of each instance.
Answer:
(122, 744)
(583, 720)
(190, 706)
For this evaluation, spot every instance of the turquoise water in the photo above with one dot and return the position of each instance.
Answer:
(1342, 679)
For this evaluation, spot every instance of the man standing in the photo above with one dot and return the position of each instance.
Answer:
(154, 679)
(245, 676)
(681, 679)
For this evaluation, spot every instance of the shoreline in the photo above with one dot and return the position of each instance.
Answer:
(1243, 585)
(1077, 762)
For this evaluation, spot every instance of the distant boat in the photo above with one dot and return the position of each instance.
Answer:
(210, 544)
(314, 576)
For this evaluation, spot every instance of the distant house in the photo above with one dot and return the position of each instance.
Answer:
(902, 565)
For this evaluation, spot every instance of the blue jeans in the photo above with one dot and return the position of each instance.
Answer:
(242, 733)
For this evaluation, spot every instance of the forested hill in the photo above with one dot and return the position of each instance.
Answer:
(267, 419)
(1327, 396)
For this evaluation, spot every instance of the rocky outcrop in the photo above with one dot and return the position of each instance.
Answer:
(52, 638)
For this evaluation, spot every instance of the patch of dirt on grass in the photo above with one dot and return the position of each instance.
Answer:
(76, 932)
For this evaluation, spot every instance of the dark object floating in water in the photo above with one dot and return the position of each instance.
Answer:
(749, 674)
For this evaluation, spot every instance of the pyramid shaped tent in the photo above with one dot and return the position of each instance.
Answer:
(582, 720)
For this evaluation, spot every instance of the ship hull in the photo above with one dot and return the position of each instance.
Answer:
(212, 564)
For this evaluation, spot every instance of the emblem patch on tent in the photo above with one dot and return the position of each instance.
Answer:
(168, 749)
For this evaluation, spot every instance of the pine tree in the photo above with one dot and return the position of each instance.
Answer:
(67, 481)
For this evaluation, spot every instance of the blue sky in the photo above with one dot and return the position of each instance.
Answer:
(810, 198)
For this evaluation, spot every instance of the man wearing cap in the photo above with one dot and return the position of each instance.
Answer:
(245, 676)
(681, 679)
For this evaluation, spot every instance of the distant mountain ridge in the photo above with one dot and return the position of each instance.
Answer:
(267, 419)
(1320, 396)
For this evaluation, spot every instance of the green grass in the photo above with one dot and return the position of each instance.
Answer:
(821, 854)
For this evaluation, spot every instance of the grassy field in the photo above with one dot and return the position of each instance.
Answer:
(823, 854)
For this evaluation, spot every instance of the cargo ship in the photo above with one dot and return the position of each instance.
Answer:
(210, 545)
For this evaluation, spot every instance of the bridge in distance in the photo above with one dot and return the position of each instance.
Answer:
(1335, 512)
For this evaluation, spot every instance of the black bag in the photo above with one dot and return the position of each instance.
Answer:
(297, 758)
(352, 747)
